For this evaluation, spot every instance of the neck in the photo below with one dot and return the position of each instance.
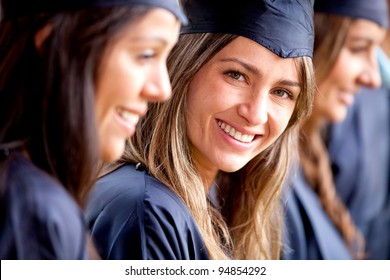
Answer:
(208, 178)
(206, 171)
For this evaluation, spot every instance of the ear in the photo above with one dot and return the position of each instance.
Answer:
(42, 35)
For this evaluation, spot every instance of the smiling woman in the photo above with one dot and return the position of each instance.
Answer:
(319, 226)
(355, 66)
(256, 104)
(202, 176)
(133, 72)
(75, 78)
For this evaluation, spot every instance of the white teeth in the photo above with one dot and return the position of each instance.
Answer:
(239, 136)
(232, 132)
(129, 117)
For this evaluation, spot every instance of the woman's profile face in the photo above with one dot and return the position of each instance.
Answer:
(133, 73)
(239, 103)
(355, 66)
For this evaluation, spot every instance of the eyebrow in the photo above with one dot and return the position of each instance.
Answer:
(289, 83)
(256, 71)
(152, 38)
(247, 66)
(357, 38)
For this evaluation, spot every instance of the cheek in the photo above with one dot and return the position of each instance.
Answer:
(279, 121)
(194, 122)
(199, 106)
(121, 81)
(346, 67)
(125, 87)
(102, 105)
(337, 74)
(107, 92)
(111, 139)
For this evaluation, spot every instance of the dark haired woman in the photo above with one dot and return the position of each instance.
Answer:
(75, 77)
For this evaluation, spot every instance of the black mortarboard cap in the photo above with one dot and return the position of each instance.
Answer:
(283, 26)
(374, 10)
(17, 8)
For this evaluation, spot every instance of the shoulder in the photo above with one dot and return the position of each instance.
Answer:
(116, 195)
(159, 197)
(43, 215)
(127, 188)
(40, 191)
(129, 207)
(170, 227)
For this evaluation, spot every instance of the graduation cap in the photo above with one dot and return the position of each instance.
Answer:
(285, 27)
(18, 8)
(374, 10)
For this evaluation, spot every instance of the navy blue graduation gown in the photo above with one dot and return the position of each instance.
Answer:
(38, 218)
(131, 215)
(309, 233)
(359, 150)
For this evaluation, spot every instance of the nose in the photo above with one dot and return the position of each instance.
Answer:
(370, 76)
(255, 109)
(158, 86)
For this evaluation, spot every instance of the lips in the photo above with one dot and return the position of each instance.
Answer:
(346, 98)
(128, 116)
(237, 135)
(127, 119)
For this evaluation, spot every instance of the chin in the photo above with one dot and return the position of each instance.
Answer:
(112, 153)
(339, 118)
(232, 168)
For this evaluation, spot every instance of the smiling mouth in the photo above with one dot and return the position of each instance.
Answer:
(237, 135)
(346, 98)
(128, 117)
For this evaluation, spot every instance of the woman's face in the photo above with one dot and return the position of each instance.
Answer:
(355, 66)
(239, 103)
(133, 73)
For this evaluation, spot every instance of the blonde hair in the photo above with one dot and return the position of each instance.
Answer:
(248, 224)
(313, 153)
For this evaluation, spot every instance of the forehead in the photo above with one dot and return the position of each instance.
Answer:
(259, 57)
(366, 29)
(156, 21)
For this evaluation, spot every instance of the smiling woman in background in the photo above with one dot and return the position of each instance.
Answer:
(359, 149)
(75, 77)
(347, 33)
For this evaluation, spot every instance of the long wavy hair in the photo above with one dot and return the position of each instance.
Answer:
(247, 225)
(47, 94)
(313, 153)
